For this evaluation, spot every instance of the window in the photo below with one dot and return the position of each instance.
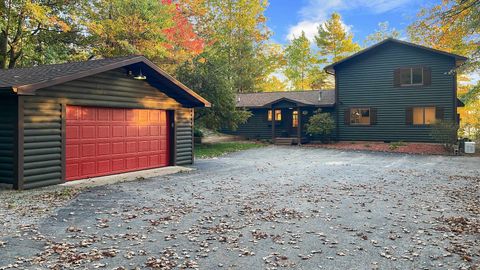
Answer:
(423, 115)
(360, 116)
(278, 115)
(295, 119)
(411, 76)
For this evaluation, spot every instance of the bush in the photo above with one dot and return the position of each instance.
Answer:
(445, 132)
(197, 133)
(320, 124)
(396, 145)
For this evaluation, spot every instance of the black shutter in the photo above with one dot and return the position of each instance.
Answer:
(439, 113)
(427, 76)
(373, 116)
(396, 78)
(409, 116)
(346, 117)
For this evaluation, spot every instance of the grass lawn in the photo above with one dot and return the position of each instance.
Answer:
(209, 150)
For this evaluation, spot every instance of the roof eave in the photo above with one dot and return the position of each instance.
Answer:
(459, 59)
(30, 89)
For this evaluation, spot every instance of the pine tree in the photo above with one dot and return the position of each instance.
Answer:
(334, 41)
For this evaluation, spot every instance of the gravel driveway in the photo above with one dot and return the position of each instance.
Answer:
(270, 208)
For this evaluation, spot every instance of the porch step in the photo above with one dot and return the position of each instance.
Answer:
(289, 141)
(284, 141)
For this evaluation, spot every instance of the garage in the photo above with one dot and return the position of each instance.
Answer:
(105, 141)
(93, 118)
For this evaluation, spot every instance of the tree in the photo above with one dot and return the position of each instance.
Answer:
(452, 26)
(301, 63)
(207, 74)
(334, 41)
(157, 29)
(383, 32)
(238, 32)
(37, 32)
(272, 84)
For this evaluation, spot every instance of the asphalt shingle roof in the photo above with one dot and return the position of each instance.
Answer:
(25, 76)
(310, 97)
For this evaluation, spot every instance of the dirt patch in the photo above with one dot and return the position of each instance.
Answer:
(396, 147)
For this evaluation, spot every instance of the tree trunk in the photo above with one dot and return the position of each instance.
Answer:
(3, 49)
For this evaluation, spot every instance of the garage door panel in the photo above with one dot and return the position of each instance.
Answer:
(102, 141)
(88, 113)
(103, 132)
(132, 131)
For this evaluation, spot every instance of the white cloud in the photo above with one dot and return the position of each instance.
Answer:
(317, 11)
(309, 27)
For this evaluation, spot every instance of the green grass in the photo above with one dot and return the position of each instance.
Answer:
(218, 149)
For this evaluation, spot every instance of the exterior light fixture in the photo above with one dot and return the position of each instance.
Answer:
(140, 76)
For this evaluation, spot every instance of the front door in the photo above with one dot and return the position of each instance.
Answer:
(293, 122)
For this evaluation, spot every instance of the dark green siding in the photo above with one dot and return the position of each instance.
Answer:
(367, 81)
(258, 126)
(184, 136)
(8, 117)
(43, 119)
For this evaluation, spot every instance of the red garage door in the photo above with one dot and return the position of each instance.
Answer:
(103, 141)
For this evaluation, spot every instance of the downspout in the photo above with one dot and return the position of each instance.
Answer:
(336, 107)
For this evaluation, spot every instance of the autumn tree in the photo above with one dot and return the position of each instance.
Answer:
(383, 32)
(157, 29)
(452, 26)
(301, 63)
(208, 75)
(272, 84)
(236, 59)
(238, 33)
(38, 32)
(333, 39)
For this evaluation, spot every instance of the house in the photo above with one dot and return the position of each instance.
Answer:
(391, 91)
(281, 114)
(86, 119)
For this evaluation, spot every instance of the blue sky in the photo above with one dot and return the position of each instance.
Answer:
(289, 17)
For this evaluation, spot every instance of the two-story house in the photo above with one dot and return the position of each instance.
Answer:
(391, 91)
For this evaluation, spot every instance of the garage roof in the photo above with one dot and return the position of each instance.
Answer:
(317, 98)
(25, 81)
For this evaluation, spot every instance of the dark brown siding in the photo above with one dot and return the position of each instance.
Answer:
(43, 118)
(8, 115)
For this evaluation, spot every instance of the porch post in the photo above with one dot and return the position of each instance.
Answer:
(273, 124)
(299, 127)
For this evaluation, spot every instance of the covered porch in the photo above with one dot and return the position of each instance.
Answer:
(287, 121)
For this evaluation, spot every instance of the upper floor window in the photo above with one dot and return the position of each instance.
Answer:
(411, 76)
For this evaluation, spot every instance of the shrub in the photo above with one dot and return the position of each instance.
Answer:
(197, 133)
(396, 145)
(320, 124)
(445, 132)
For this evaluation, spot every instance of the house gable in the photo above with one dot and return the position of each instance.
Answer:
(367, 81)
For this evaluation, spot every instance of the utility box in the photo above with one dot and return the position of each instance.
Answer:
(469, 147)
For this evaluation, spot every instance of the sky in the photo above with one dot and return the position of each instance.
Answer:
(287, 18)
